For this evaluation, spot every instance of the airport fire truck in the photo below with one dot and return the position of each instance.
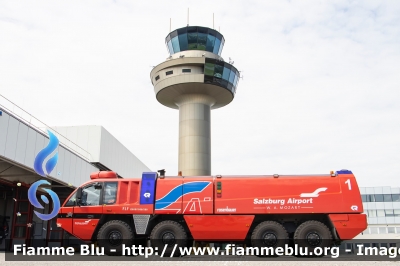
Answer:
(259, 211)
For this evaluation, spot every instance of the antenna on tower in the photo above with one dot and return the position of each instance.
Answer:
(188, 17)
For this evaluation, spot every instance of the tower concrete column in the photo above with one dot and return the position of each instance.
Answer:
(194, 134)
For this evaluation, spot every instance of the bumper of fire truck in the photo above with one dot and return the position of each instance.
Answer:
(349, 226)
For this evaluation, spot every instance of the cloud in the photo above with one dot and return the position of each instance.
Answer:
(319, 89)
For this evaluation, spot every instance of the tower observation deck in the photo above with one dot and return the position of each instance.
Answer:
(194, 79)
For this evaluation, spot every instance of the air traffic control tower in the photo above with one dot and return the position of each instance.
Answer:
(194, 79)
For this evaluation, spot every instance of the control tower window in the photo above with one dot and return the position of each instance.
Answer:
(221, 46)
(202, 40)
(216, 45)
(230, 87)
(175, 44)
(209, 69)
(210, 43)
(226, 73)
(221, 74)
(192, 40)
(183, 41)
(195, 38)
(232, 77)
(218, 71)
(186, 70)
(171, 50)
(169, 72)
(158, 77)
(236, 79)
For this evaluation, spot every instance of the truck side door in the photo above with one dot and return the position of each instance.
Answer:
(87, 216)
(66, 214)
(169, 196)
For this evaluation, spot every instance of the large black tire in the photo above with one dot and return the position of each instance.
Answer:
(171, 233)
(113, 235)
(311, 235)
(269, 234)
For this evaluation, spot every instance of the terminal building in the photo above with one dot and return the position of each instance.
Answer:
(382, 207)
(82, 150)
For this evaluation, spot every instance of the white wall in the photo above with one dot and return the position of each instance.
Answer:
(104, 148)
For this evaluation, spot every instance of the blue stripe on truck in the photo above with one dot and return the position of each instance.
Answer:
(177, 192)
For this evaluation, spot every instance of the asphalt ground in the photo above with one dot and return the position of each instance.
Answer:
(194, 263)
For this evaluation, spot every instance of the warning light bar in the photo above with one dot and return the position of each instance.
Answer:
(344, 171)
(103, 174)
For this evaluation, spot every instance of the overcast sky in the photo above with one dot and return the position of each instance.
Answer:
(320, 88)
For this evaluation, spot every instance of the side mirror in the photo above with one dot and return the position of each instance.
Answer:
(79, 196)
(97, 186)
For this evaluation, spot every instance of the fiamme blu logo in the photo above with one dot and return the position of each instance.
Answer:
(44, 171)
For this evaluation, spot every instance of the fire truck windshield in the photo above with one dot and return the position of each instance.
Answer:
(90, 196)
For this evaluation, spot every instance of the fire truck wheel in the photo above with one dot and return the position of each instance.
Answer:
(313, 236)
(269, 234)
(171, 233)
(112, 235)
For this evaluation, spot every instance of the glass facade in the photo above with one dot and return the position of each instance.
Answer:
(221, 74)
(383, 213)
(379, 211)
(195, 38)
(381, 198)
(382, 230)
(382, 207)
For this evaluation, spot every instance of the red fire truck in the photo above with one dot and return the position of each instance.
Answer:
(261, 211)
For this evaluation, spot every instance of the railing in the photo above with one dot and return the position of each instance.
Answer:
(13, 109)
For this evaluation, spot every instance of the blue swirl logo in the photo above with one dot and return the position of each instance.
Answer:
(38, 166)
(43, 154)
(33, 200)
